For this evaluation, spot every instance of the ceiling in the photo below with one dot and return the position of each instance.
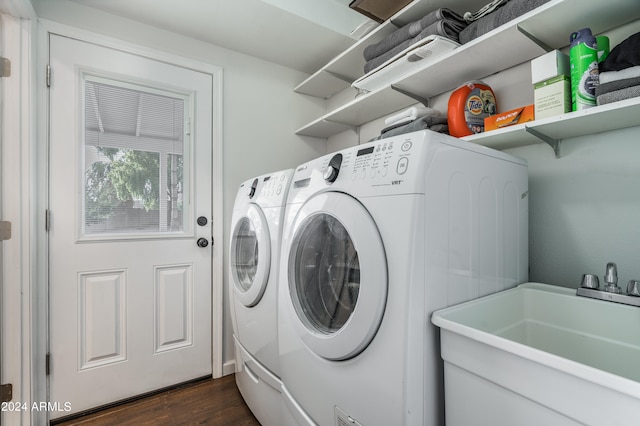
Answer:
(260, 28)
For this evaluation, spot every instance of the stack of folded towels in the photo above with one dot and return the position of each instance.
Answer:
(493, 15)
(441, 22)
(620, 72)
(412, 120)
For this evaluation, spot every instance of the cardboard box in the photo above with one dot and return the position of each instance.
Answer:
(509, 118)
(549, 65)
(552, 97)
(378, 10)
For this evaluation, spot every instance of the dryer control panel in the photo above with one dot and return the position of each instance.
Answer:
(268, 190)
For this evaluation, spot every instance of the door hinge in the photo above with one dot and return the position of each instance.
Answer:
(5, 230)
(5, 67)
(47, 364)
(47, 220)
(188, 126)
(6, 392)
(48, 75)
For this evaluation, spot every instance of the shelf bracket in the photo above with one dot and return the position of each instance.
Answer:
(554, 143)
(534, 39)
(423, 101)
(339, 76)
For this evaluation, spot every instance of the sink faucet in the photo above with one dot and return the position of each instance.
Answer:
(611, 291)
(611, 278)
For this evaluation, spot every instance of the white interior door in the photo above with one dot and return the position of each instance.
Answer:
(130, 209)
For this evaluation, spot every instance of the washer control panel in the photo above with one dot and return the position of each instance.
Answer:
(384, 167)
(375, 161)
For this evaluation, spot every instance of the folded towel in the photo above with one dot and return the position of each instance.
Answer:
(617, 85)
(421, 123)
(485, 10)
(411, 114)
(624, 55)
(503, 14)
(618, 95)
(414, 126)
(440, 28)
(440, 128)
(411, 30)
(609, 76)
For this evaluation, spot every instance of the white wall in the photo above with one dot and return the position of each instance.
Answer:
(260, 109)
(584, 207)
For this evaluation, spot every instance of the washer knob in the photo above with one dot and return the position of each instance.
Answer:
(333, 169)
(330, 174)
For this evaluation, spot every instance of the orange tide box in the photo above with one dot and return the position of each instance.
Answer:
(509, 118)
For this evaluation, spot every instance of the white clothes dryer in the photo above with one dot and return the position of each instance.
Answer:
(254, 254)
(377, 237)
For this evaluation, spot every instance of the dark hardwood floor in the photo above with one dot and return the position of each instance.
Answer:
(206, 402)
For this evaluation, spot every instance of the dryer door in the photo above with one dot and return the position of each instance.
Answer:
(337, 276)
(250, 256)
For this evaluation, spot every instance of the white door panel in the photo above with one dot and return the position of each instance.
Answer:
(130, 290)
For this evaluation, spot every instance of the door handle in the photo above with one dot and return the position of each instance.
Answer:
(202, 242)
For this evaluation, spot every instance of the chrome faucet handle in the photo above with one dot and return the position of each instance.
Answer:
(611, 278)
(633, 288)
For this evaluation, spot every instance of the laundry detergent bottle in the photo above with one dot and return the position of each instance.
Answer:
(583, 57)
(468, 106)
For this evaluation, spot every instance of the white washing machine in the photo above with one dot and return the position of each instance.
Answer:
(254, 254)
(376, 238)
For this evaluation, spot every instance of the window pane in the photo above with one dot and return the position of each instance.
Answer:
(134, 164)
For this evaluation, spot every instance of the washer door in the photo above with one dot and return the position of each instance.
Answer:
(337, 276)
(250, 256)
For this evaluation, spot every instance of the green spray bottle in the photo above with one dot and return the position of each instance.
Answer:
(583, 57)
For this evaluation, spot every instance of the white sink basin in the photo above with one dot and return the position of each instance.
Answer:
(540, 355)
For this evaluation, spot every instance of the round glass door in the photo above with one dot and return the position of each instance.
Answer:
(250, 256)
(337, 276)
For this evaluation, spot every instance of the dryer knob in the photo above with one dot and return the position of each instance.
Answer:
(252, 189)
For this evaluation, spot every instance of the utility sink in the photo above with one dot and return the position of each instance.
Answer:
(537, 355)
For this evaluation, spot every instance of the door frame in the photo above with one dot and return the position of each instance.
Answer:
(45, 29)
(17, 144)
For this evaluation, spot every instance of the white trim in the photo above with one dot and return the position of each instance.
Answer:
(50, 27)
(229, 367)
(18, 9)
(16, 207)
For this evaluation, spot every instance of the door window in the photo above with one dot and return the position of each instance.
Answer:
(327, 274)
(134, 162)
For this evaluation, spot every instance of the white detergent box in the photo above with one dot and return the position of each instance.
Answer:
(552, 97)
(549, 65)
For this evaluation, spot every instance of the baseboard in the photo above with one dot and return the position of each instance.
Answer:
(229, 367)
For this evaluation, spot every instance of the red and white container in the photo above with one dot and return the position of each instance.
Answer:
(469, 105)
